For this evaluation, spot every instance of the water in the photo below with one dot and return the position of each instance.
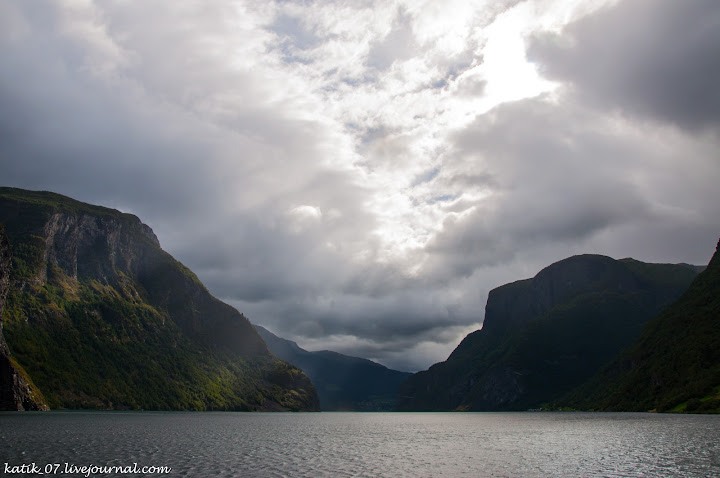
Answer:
(368, 444)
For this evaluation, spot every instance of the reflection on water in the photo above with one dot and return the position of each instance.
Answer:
(370, 444)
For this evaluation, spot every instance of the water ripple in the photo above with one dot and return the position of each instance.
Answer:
(360, 445)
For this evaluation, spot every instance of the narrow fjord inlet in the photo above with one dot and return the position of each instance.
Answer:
(335, 238)
(96, 280)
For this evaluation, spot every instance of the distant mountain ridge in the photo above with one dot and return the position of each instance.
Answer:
(342, 382)
(99, 316)
(544, 336)
(673, 366)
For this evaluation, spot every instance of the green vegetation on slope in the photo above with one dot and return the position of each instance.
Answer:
(100, 317)
(17, 390)
(673, 366)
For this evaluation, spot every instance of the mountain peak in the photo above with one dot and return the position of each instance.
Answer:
(543, 336)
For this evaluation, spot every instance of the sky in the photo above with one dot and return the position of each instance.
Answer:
(357, 175)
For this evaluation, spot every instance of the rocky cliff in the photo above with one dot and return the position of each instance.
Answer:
(545, 335)
(16, 390)
(101, 317)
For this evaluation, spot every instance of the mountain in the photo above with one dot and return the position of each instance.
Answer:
(342, 382)
(17, 392)
(542, 337)
(673, 366)
(99, 316)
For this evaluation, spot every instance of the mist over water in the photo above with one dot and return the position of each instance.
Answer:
(370, 444)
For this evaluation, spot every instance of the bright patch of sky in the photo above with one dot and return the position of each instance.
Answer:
(396, 79)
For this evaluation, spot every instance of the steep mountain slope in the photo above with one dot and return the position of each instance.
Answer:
(17, 392)
(543, 336)
(342, 382)
(674, 365)
(99, 316)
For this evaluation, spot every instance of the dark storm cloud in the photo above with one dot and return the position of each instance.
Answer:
(561, 183)
(556, 175)
(389, 328)
(71, 124)
(78, 135)
(657, 58)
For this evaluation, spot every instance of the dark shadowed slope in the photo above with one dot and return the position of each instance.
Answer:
(99, 316)
(673, 366)
(17, 392)
(342, 382)
(544, 336)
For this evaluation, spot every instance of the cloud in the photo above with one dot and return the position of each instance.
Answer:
(398, 44)
(557, 172)
(358, 175)
(655, 58)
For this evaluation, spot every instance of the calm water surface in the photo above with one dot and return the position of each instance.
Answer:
(369, 444)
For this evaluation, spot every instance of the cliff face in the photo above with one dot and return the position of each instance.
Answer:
(101, 317)
(545, 335)
(513, 305)
(342, 382)
(95, 247)
(16, 391)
